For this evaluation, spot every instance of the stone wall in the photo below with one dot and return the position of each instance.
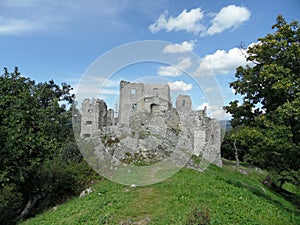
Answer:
(147, 116)
(93, 116)
(133, 95)
(111, 118)
(184, 103)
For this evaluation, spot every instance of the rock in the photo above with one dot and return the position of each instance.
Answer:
(86, 192)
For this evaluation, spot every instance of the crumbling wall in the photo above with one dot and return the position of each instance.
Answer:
(206, 132)
(101, 109)
(111, 118)
(146, 109)
(136, 96)
(130, 94)
(184, 103)
(93, 116)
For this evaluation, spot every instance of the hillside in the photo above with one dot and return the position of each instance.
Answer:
(216, 196)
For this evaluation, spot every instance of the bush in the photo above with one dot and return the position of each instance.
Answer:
(62, 181)
(227, 149)
(10, 202)
(55, 180)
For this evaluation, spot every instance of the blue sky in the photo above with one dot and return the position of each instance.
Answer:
(60, 39)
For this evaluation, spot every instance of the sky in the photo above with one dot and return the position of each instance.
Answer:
(62, 40)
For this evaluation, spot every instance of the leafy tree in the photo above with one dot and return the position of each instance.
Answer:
(268, 118)
(34, 125)
(233, 147)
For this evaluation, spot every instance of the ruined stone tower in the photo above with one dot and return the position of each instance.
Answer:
(93, 116)
(111, 121)
(140, 96)
(184, 103)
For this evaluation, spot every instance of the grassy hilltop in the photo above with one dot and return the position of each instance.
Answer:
(216, 196)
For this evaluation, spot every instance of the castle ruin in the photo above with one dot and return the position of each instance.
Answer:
(148, 126)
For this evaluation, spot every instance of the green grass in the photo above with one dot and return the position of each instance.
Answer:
(223, 196)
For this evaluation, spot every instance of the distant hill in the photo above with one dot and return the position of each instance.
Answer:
(225, 124)
(216, 196)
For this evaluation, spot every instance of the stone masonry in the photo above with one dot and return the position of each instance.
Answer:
(151, 97)
(93, 116)
(148, 126)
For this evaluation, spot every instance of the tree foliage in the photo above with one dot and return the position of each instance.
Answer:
(268, 118)
(36, 144)
(32, 123)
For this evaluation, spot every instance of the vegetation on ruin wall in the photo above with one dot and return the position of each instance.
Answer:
(266, 123)
(216, 196)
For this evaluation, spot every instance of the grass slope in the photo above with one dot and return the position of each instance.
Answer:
(220, 196)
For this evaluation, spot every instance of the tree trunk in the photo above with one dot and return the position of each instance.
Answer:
(29, 205)
(236, 153)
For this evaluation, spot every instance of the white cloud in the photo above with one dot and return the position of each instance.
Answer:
(221, 62)
(180, 48)
(95, 87)
(231, 16)
(169, 71)
(101, 81)
(176, 70)
(202, 106)
(109, 91)
(209, 89)
(16, 26)
(94, 91)
(109, 83)
(188, 21)
(213, 111)
(180, 86)
(22, 16)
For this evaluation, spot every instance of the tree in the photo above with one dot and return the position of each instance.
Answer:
(268, 118)
(33, 126)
